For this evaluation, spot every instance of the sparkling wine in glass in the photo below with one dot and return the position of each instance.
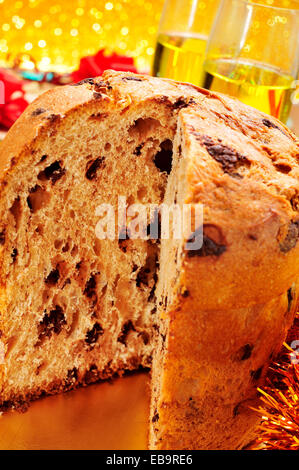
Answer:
(253, 54)
(182, 39)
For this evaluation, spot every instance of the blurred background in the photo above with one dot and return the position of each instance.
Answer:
(240, 47)
(54, 35)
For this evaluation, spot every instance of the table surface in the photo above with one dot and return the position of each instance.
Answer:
(105, 416)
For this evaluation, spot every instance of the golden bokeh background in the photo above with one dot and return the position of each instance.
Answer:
(54, 35)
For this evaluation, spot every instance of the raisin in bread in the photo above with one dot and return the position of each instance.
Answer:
(76, 309)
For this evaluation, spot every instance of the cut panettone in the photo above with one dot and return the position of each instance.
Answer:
(76, 308)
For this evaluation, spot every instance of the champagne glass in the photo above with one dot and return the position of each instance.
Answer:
(182, 38)
(253, 54)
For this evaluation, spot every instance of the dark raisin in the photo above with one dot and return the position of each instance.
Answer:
(230, 159)
(152, 294)
(71, 378)
(53, 117)
(43, 158)
(163, 158)
(185, 293)
(294, 201)
(93, 334)
(52, 172)
(180, 103)
(51, 323)
(29, 204)
(269, 124)
(134, 79)
(38, 111)
(143, 276)
(244, 352)
(14, 254)
(91, 375)
(90, 286)
(93, 166)
(97, 95)
(102, 86)
(32, 191)
(82, 82)
(256, 374)
(283, 168)
(236, 410)
(18, 403)
(2, 237)
(145, 337)
(137, 150)
(98, 116)
(209, 247)
(123, 245)
(53, 277)
(127, 327)
(155, 418)
(291, 239)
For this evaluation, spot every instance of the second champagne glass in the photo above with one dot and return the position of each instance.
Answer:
(253, 54)
(182, 39)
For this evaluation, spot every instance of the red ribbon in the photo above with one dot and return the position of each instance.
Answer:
(12, 94)
(93, 66)
(12, 100)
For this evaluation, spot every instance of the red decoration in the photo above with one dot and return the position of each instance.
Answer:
(12, 94)
(279, 408)
(93, 66)
(12, 100)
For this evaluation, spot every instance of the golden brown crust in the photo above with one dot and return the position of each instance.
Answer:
(248, 195)
(56, 103)
(214, 361)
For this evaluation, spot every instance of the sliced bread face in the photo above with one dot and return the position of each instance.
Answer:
(76, 308)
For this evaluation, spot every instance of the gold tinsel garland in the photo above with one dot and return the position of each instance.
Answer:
(279, 428)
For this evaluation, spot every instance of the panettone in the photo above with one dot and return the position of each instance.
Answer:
(76, 308)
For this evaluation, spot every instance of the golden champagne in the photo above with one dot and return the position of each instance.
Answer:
(255, 84)
(180, 57)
